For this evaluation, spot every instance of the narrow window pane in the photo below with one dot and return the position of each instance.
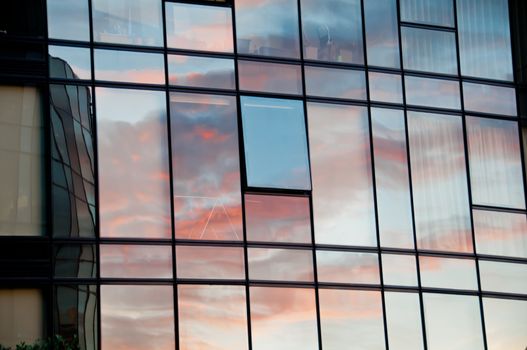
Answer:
(210, 262)
(452, 322)
(439, 272)
(75, 261)
(205, 160)
(133, 163)
(403, 320)
(136, 261)
(392, 179)
(268, 28)
(132, 22)
(336, 83)
(382, 33)
(505, 322)
(69, 62)
(351, 317)
(129, 66)
(270, 77)
(385, 87)
(22, 318)
(500, 233)
(277, 218)
(274, 135)
(503, 277)
(432, 92)
(399, 270)
(196, 71)
(435, 12)
(347, 267)
(212, 317)
(484, 39)
(440, 193)
(489, 99)
(137, 317)
(343, 206)
(68, 19)
(495, 162)
(283, 319)
(197, 27)
(429, 50)
(280, 264)
(332, 30)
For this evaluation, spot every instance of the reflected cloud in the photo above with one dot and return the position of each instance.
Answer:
(134, 261)
(198, 71)
(270, 77)
(210, 262)
(336, 83)
(280, 264)
(347, 267)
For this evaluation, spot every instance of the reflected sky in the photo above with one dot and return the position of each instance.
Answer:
(129, 66)
(503, 277)
(68, 19)
(382, 33)
(347, 267)
(403, 319)
(435, 12)
(505, 322)
(385, 87)
(437, 272)
(428, 92)
(270, 77)
(280, 264)
(136, 261)
(196, 71)
(210, 262)
(489, 99)
(336, 83)
(399, 270)
(77, 58)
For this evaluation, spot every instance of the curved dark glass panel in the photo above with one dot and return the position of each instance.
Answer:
(270, 77)
(68, 20)
(197, 71)
(503, 277)
(437, 93)
(489, 99)
(210, 262)
(399, 270)
(69, 62)
(335, 83)
(135, 261)
(382, 33)
(403, 321)
(439, 272)
(347, 267)
(271, 264)
(505, 322)
(129, 66)
(435, 12)
(385, 87)
(75, 261)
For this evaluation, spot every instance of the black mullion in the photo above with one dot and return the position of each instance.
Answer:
(437, 28)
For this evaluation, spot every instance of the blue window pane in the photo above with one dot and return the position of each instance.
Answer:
(436, 12)
(382, 33)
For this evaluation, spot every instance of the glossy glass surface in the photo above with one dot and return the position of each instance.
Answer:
(277, 218)
(500, 233)
(452, 322)
(439, 272)
(132, 22)
(385, 87)
(270, 77)
(382, 33)
(133, 163)
(137, 317)
(196, 27)
(197, 71)
(135, 261)
(399, 270)
(69, 62)
(272, 264)
(347, 267)
(351, 317)
(267, 28)
(489, 99)
(505, 322)
(343, 205)
(332, 30)
(129, 66)
(210, 262)
(484, 39)
(403, 320)
(436, 93)
(429, 50)
(68, 19)
(394, 205)
(495, 162)
(440, 193)
(205, 161)
(503, 277)
(283, 319)
(274, 135)
(75, 260)
(335, 83)
(435, 12)
(212, 317)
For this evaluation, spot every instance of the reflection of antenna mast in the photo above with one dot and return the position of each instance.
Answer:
(323, 30)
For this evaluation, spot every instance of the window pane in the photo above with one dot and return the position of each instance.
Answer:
(277, 218)
(268, 28)
(385, 87)
(347, 267)
(270, 77)
(275, 143)
(435, 12)
(343, 205)
(205, 160)
(136, 261)
(196, 71)
(403, 319)
(392, 179)
(495, 162)
(399, 270)
(137, 317)
(382, 33)
(505, 322)
(489, 99)
(133, 22)
(432, 92)
(133, 163)
(75, 261)
(351, 317)
(429, 50)
(283, 319)
(196, 27)
(21, 150)
(336, 83)
(448, 273)
(503, 277)
(68, 19)
(210, 262)
(484, 39)
(280, 264)
(129, 66)
(440, 193)
(212, 317)
(332, 30)
(452, 322)
(69, 62)
(500, 233)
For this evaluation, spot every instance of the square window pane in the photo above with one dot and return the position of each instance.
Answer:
(385, 87)
(435, 12)
(428, 92)
(280, 264)
(68, 20)
(439, 272)
(210, 262)
(335, 83)
(270, 77)
(347, 267)
(136, 261)
(197, 71)
(399, 270)
(129, 66)
(69, 62)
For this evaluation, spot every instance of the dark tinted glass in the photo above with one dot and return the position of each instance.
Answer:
(336, 83)
(129, 66)
(75, 260)
(270, 77)
(382, 33)
(68, 19)
(436, 12)
(69, 62)
(135, 261)
(196, 71)
(210, 262)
